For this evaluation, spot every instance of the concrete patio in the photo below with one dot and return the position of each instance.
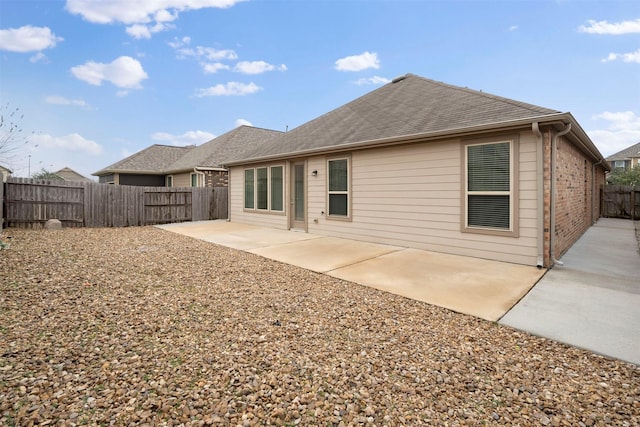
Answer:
(481, 288)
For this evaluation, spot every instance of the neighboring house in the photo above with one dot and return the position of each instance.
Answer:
(423, 164)
(627, 158)
(201, 166)
(4, 173)
(68, 174)
(145, 167)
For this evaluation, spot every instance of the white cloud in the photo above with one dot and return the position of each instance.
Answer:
(143, 17)
(38, 57)
(358, 62)
(213, 68)
(626, 57)
(123, 72)
(615, 28)
(183, 49)
(623, 130)
(192, 137)
(61, 100)
(208, 57)
(27, 39)
(243, 122)
(73, 142)
(513, 28)
(229, 89)
(211, 54)
(375, 80)
(257, 67)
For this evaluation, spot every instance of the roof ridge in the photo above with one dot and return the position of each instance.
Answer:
(482, 93)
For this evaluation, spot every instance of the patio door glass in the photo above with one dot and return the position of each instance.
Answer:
(297, 191)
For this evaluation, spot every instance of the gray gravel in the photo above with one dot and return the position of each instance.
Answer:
(139, 326)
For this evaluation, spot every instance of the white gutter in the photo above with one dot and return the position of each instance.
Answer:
(540, 197)
(554, 148)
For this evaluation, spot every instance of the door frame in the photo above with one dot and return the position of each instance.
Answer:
(293, 224)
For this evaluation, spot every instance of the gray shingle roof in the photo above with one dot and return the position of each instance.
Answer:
(68, 174)
(627, 153)
(231, 145)
(152, 160)
(409, 105)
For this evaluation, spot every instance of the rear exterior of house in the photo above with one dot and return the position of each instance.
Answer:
(519, 191)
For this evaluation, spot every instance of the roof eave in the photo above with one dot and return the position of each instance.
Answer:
(406, 139)
(133, 172)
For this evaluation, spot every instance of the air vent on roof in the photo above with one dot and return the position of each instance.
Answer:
(398, 79)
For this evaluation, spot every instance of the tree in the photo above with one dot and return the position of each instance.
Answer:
(45, 174)
(12, 139)
(621, 176)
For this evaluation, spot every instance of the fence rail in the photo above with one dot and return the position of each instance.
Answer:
(621, 201)
(29, 203)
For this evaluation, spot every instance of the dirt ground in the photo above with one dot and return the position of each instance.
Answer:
(139, 326)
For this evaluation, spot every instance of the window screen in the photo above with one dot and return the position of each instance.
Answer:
(248, 189)
(261, 188)
(489, 185)
(338, 187)
(277, 188)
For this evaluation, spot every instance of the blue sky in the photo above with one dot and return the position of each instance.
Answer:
(96, 81)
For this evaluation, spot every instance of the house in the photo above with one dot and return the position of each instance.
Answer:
(203, 166)
(4, 173)
(427, 165)
(627, 158)
(146, 167)
(68, 174)
(191, 166)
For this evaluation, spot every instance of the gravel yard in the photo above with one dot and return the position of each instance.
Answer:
(140, 326)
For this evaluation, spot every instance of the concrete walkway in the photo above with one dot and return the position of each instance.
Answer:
(593, 301)
(482, 288)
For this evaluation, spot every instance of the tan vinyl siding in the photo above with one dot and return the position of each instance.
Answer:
(182, 179)
(410, 196)
(237, 213)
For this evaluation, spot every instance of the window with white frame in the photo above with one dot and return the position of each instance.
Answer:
(249, 185)
(264, 188)
(619, 164)
(490, 197)
(169, 182)
(197, 179)
(338, 188)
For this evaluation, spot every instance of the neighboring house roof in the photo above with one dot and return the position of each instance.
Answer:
(626, 154)
(409, 105)
(68, 174)
(166, 159)
(231, 145)
(152, 160)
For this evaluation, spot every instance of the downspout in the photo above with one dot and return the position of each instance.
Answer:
(229, 195)
(204, 178)
(593, 190)
(554, 149)
(540, 183)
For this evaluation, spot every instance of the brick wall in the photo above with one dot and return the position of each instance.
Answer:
(216, 179)
(577, 198)
(577, 204)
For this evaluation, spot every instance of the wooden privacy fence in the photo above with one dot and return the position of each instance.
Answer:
(621, 201)
(29, 203)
